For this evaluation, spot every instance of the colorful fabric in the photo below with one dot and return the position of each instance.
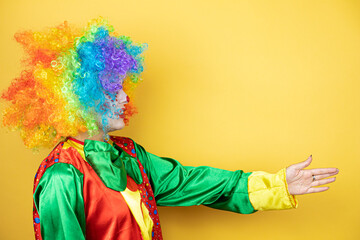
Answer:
(107, 214)
(72, 198)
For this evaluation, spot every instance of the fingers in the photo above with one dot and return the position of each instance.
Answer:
(316, 190)
(322, 182)
(321, 176)
(303, 164)
(320, 171)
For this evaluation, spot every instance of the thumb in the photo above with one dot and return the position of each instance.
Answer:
(303, 164)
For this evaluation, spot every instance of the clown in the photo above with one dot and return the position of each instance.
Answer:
(73, 92)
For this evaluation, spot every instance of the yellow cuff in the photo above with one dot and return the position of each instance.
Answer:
(270, 191)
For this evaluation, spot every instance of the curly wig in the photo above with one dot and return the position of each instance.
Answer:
(70, 79)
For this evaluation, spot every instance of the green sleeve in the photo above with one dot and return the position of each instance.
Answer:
(59, 201)
(177, 185)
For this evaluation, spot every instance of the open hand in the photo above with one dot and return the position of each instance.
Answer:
(301, 181)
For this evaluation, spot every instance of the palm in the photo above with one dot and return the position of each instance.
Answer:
(300, 181)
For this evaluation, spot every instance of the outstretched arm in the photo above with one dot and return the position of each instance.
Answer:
(303, 181)
(237, 191)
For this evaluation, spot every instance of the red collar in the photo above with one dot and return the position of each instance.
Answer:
(75, 140)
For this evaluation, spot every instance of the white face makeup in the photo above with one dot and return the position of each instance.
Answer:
(116, 122)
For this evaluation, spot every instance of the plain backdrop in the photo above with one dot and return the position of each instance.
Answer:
(250, 85)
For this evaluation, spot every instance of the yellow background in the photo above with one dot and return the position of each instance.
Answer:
(251, 85)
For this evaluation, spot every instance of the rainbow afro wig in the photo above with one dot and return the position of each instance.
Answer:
(70, 80)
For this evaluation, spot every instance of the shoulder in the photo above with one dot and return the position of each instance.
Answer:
(59, 182)
(58, 164)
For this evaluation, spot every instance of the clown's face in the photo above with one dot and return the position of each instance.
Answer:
(117, 107)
